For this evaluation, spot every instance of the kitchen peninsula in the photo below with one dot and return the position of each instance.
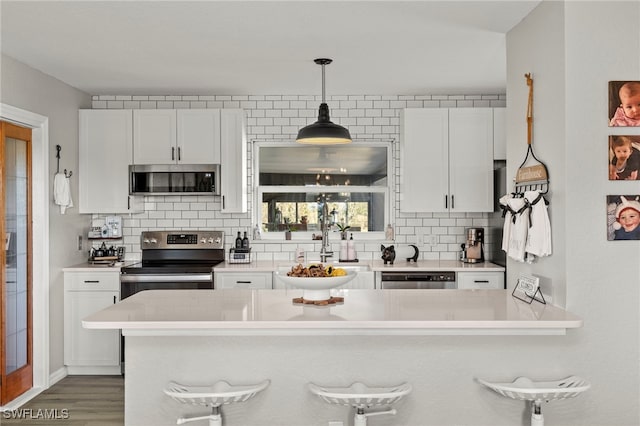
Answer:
(379, 337)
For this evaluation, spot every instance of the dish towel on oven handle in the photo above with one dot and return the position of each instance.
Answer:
(62, 192)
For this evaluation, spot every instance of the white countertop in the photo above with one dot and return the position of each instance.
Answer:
(375, 265)
(98, 267)
(364, 312)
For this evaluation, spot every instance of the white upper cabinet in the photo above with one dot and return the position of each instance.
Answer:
(446, 160)
(233, 161)
(199, 136)
(154, 137)
(168, 136)
(105, 152)
(500, 134)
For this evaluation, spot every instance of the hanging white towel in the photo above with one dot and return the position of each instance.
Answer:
(519, 229)
(506, 230)
(539, 237)
(62, 192)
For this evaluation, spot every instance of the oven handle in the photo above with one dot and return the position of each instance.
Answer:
(164, 278)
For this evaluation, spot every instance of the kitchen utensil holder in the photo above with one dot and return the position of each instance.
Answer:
(214, 396)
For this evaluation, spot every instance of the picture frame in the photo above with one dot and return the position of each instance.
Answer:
(624, 157)
(623, 217)
(527, 289)
(623, 93)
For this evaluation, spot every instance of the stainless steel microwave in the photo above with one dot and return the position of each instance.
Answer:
(174, 179)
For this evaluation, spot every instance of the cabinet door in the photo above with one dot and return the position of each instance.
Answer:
(500, 134)
(233, 161)
(88, 347)
(105, 152)
(198, 136)
(154, 137)
(424, 160)
(471, 159)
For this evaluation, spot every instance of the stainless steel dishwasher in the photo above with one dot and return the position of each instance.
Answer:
(418, 280)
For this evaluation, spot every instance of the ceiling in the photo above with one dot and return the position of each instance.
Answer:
(265, 47)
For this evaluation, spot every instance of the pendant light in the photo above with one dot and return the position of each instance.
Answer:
(323, 131)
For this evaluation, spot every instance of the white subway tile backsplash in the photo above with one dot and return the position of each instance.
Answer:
(279, 117)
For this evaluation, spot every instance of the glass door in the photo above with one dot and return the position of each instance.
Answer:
(15, 258)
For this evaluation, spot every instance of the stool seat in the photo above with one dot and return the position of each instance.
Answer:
(525, 389)
(360, 395)
(215, 395)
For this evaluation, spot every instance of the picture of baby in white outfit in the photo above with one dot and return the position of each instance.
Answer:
(623, 217)
(624, 103)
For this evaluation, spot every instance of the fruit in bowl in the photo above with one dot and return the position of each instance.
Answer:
(316, 271)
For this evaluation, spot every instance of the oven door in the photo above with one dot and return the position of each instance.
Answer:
(131, 284)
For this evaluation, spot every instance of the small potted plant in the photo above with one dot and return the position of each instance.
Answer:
(343, 231)
(287, 233)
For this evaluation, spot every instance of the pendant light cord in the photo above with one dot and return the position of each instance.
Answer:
(323, 89)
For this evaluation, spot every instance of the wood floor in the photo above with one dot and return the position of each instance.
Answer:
(74, 401)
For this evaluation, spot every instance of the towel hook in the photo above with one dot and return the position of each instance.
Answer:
(58, 149)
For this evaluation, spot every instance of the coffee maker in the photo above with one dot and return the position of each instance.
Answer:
(473, 248)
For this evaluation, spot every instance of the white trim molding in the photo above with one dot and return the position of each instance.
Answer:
(40, 220)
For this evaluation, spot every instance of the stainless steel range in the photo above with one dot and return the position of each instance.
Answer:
(174, 260)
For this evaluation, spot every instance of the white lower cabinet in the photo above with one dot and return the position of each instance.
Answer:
(480, 280)
(88, 351)
(252, 280)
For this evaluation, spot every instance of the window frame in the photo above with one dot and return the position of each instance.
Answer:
(297, 236)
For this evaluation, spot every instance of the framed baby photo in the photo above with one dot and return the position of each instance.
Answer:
(624, 157)
(623, 217)
(624, 103)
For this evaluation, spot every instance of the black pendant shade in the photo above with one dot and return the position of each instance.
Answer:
(323, 131)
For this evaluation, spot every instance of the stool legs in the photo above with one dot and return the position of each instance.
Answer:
(215, 418)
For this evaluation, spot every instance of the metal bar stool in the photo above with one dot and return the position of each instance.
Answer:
(525, 389)
(360, 396)
(220, 393)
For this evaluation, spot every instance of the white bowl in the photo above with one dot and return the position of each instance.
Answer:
(316, 288)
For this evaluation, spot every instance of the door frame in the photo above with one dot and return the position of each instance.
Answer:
(40, 225)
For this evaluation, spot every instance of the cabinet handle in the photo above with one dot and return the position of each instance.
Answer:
(481, 281)
(223, 201)
(179, 153)
(91, 281)
(114, 300)
(243, 282)
(446, 206)
(453, 203)
(128, 202)
(173, 153)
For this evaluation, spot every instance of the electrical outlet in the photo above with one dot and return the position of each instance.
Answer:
(79, 242)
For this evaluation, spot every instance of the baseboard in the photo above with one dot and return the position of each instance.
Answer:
(57, 375)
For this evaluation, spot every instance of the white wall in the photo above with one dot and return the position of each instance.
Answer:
(573, 49)
(30, 90)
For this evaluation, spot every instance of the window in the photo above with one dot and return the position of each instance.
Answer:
(295, 180)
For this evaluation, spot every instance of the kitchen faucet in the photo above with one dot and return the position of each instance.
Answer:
(324, 251)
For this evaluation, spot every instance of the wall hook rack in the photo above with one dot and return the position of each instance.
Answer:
(70, 173)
